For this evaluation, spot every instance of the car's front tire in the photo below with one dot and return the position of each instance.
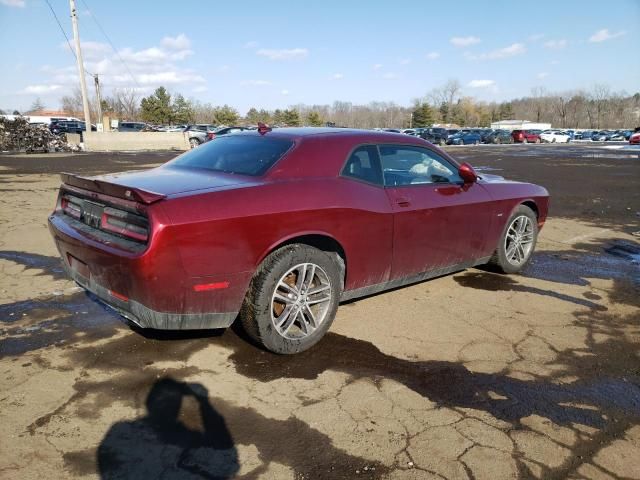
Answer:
(517, 242)
(292, 299)
(194, 142)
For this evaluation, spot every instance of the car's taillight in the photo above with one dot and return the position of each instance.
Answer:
(71, 206)
(211, 136)
(125, 224)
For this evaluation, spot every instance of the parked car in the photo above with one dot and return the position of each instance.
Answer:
(224, 131)
(435, 135)
(69, 126)
(416, 132)
(499, 136)
(526, 136)
(204, 127)
(587, 134)
(634, 139)
(555, 136)
(452, 131)
(173, 128)
(195, 135)
(465, 138)
(484, 133)
(620, 135)
(253, 226)
(602, 136)
(131, 126)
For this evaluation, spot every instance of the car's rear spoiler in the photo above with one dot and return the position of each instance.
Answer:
(113, 189)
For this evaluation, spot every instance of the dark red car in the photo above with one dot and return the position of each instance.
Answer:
(526, 136)
(277, 227)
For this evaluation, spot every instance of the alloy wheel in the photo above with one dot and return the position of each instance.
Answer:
(518, 242)
(301, 301)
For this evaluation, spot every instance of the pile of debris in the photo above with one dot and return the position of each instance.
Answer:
(22, 136)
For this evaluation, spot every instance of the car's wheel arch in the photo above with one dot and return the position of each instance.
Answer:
(527, 203)
(320, 240)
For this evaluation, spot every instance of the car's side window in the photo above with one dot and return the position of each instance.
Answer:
(408, 165)
(364, 164)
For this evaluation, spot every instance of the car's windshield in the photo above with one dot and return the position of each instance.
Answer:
(243, 155)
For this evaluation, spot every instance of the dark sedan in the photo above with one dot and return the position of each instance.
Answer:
(275, 228)
(435, 135)
(499, 136)
(602, 136)
(69, 126)
(484, 133)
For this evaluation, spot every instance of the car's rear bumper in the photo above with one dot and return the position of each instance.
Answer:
(148, 287)
(145, 317)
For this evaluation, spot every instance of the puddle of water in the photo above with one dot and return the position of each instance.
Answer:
(619, 260)
(53, 322)
(625, 250)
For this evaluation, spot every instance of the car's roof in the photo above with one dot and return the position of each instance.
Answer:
(294, 133)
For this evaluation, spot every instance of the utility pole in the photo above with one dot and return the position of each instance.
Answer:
(99, 97)
(83, 83)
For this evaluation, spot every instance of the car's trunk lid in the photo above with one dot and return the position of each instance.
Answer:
(150, 186)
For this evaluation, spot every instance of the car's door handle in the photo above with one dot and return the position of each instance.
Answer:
(402, 202)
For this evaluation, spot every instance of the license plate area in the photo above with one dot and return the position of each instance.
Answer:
(92, 213)
(79, 266)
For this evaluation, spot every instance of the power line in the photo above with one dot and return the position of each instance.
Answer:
(65, 35)
(115, 50)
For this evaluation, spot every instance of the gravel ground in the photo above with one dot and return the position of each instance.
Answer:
(472, 375)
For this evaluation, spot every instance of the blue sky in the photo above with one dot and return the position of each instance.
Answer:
(274, 53)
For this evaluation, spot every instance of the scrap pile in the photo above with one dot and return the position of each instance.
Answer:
(20, 135)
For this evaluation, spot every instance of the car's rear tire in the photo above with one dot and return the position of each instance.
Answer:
(524, 140)
(517, 242)
(194, 142)
(537, 140)
(292, 299)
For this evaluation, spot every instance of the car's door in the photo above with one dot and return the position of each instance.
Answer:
(439, 221)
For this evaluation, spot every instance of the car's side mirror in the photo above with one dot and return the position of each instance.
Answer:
(467, 173)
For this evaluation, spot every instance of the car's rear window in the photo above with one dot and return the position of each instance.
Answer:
(242, 155)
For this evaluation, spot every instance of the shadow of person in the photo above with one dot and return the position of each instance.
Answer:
(161, 445)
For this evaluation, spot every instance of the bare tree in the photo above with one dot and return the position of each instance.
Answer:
(37, 105)
(451, 90)
(127, 101)
(599, 102)
(560, 105)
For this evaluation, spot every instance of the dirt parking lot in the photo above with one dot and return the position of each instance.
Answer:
(469, 376)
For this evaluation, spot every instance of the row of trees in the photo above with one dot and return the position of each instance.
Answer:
(597, 108)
